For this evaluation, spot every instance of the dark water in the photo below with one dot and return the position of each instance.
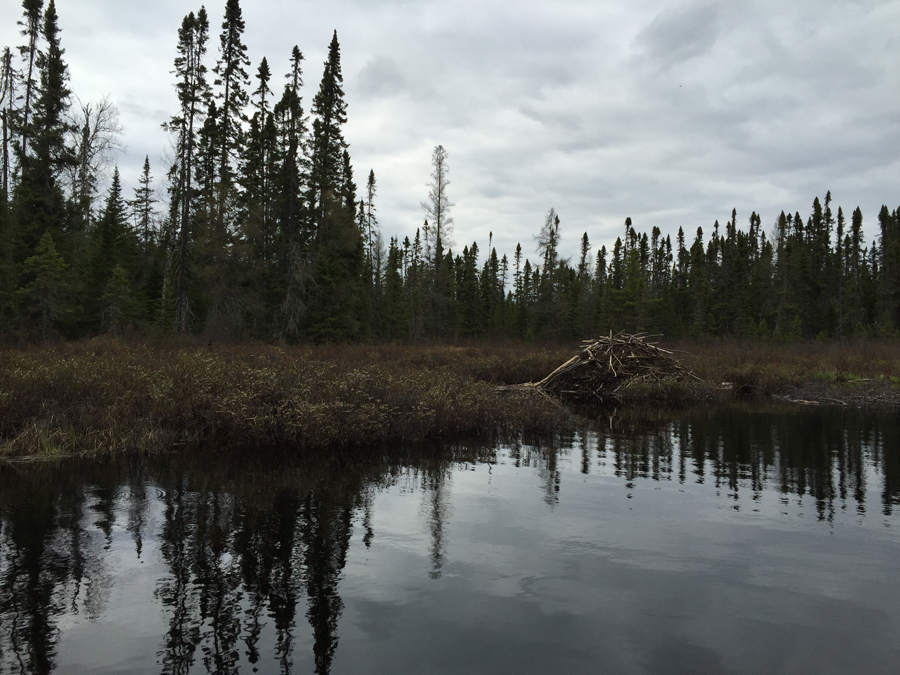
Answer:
(717, 541)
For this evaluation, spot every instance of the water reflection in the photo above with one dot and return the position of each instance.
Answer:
(251, 551)
(826, 454)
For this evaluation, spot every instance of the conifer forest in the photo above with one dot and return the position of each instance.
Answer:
(260, 227)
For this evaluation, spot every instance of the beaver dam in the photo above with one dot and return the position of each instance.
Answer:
(607, 365)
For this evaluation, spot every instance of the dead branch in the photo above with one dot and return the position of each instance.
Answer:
(606, 365)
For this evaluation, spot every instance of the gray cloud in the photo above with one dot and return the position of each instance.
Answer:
(381, 77)
(672, 116)
(681, 33)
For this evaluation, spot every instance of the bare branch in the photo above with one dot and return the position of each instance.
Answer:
(438, 206)
(97, 139)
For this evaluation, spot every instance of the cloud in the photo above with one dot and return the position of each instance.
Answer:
(682, 33)
(672, 115)
(381, 77)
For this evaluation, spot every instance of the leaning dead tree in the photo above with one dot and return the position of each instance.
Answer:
(608, 364)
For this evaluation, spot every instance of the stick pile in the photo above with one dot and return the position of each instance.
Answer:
(607, 364)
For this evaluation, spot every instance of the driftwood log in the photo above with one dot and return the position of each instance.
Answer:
(607, 364)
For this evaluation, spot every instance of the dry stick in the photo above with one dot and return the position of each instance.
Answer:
(621, 358)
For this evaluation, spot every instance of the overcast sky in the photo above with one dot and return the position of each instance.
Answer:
(672, 113)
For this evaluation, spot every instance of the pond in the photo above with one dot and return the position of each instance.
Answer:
(738, 539)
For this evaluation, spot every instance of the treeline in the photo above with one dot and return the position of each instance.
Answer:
(259, 234)
(263, 232)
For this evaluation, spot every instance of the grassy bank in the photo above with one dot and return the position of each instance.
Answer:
(105, 395)
(865, 372)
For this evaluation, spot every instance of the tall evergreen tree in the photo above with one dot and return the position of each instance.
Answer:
(142, 206)
(112, 245)
(292, 139)
(32, 12)
(294, 234)
(233, 82)
(371, 221)
(193, 90)
(338, 303)
(259, 171)
(40, 203)
(8, 93)
(328, 144)
(855, 270)
(393, 320)
(889, 264)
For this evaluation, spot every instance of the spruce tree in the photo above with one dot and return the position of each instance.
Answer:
(468, 292)
(40, 204)
(142, 206)
(371, 221)
(338, 304)
(152, 247)
(600, 294)
(258, 268)
(112, 245)
(32, 12)
(393, 320)
(193, 90)
(856, 268)
(328, 144)
(889, 268)
(291, 129)
(117, 302)
(491, 291)
(233, 82)
(8, 94)
(45, 296)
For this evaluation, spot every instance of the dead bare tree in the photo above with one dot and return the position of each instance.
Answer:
(437, 208)
(8, 80)
(97, 139)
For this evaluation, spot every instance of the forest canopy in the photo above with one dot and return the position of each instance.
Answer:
(257, 229)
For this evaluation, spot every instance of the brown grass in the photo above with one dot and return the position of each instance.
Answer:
(107, 395)
(852, 371)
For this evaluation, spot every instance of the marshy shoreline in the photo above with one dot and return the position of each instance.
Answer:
(110, 395)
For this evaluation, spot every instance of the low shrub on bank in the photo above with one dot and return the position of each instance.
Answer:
(110, 395)
(772, 367)
(107, 395)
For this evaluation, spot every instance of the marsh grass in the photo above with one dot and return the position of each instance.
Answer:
(856, 370)
(105, 395)
(108, 395)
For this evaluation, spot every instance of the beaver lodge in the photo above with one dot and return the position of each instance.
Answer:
(607, 365)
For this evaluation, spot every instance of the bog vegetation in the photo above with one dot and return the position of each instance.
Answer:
(257, 229)
(105, 395)
(111, 395)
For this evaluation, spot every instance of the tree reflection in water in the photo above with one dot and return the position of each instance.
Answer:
(251, 543)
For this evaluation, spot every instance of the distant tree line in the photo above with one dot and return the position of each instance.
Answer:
(264, 234)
